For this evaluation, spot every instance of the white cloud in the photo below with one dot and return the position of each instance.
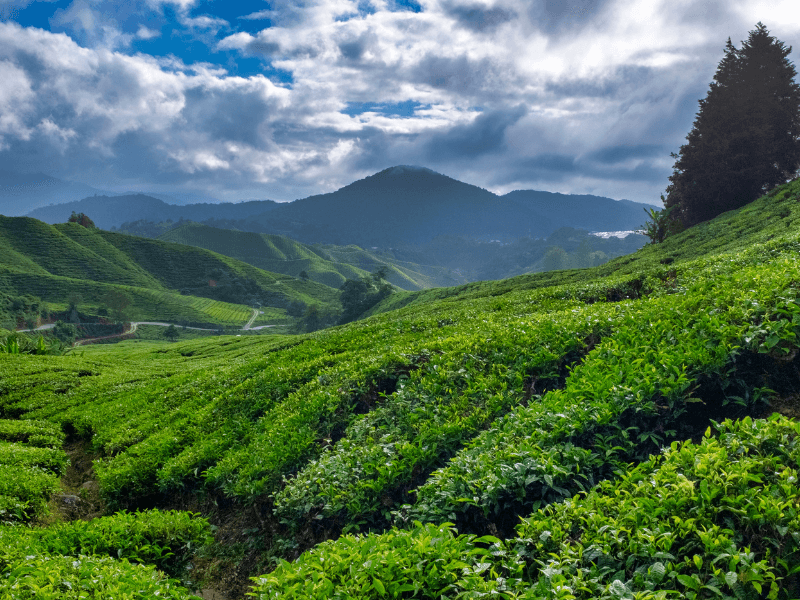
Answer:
(588, 97)
(260, 15)
(144, 33)
(782, 17)
(204, 23)
(182, 5)
(16, 99)
(87, 20)
(98, 99)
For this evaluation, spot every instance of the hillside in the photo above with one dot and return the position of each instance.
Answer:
(593, 213)
(52, 262)
(595, 433)
(329, 265)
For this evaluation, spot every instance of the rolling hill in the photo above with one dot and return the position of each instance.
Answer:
(329, 265)
(445, 261)
(625, 431)
(53, 261)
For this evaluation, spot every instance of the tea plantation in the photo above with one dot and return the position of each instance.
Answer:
(602, 433)
(159, 280)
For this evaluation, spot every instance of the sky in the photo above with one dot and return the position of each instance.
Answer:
(280, 100)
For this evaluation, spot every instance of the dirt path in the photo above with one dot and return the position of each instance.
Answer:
(134, 324)
(249, 325)
(252, 320)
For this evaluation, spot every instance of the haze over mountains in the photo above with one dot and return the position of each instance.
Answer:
(399, 206)
(108, 212)
(22, 192)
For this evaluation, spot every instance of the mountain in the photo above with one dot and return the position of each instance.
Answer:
(330, 265)
(400, 206)
(410, 206)
(593, 213)
(113, 211)
(53, 261)
(20, 192)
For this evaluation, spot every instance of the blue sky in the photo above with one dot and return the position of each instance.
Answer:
(281, 100)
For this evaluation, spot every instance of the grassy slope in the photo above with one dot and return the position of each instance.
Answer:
(329, 265)
(178, 266)
(56, 250)
(405, 275)
(770, 217)
(52, 262)
(479, 405)
(275, 253)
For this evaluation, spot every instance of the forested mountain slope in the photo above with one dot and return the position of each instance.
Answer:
(409, 206)
(397, 207)
(560, 435)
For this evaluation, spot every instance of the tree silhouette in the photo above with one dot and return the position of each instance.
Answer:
(746, 136)
(81, 219)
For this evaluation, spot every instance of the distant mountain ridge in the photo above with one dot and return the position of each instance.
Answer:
(400, 206)
(19, 192)
(113, 211)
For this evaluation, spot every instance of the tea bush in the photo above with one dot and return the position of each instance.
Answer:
(110, 557)
(718, 519)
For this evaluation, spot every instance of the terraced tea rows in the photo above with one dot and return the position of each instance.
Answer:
(716, 519)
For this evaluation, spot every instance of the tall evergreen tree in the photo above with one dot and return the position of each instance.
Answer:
(746, 136)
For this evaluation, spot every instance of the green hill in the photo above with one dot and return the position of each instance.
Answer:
(274, 253)
(329, 265)
(164, 280)
(596, 433)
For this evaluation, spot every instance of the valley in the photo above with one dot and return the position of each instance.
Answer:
(606, 431)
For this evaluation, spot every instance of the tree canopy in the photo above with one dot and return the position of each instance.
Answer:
(81, 219)
(359, 295)
(746, 136)
(171, 333)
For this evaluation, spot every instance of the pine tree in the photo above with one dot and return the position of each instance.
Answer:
(746, 136)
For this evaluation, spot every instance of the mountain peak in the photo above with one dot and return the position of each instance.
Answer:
(404, 169)
(402, 176)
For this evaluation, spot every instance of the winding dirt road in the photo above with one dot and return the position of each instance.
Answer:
(134, 324)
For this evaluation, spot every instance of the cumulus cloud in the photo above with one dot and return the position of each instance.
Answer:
(107, 108)
(584, 96)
